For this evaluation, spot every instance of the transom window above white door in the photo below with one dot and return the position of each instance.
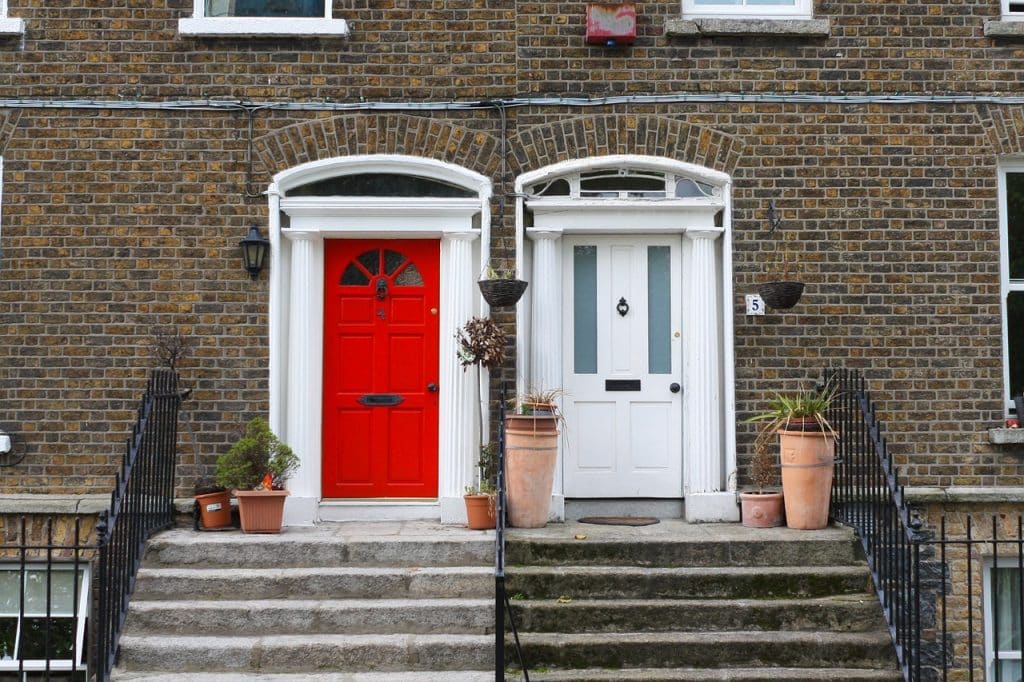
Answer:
(623, 183)
(770, 9)
(267, 18)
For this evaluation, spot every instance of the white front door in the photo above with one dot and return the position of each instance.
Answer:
(622, 359)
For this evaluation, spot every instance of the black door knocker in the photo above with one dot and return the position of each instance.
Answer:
(622, 307)
(382, 289)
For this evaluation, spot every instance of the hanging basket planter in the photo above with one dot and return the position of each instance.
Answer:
(502, 292)
(781, 295)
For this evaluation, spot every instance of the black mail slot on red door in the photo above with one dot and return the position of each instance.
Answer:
(379, 399)
(622, 384)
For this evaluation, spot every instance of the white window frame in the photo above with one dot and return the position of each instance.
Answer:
(9, 26)
(801, 9)
(990, 633)
(200, 25)
(34, 665)
(1006, 285)
(1011, 16)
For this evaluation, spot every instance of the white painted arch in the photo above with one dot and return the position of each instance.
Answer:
(709, 438)
(298, 227)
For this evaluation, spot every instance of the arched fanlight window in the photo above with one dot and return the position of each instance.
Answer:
(381, 185)
(395, 267)
(623, 183)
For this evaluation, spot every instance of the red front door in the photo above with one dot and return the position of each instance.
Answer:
(381, 315)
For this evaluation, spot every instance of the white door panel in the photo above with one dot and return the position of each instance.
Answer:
(622, 443)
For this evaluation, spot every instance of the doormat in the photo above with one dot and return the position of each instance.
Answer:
(620, 520)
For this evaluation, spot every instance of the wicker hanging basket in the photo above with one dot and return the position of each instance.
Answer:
(502, 292)
(781, 295)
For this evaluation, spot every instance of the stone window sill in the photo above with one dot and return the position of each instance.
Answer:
(53, 504)
(964, 495)
(805, 28)
(1004, 29)
(1006, 436)
(262, 27)
(11, 27)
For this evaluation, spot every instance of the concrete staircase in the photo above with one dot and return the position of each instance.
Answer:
(695, 602)
(401, 601)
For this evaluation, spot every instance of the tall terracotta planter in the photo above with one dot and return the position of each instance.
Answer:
(261, 511)
(531, 449)
(807, 459)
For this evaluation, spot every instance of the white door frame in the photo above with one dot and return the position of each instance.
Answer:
(709, 409)
(298, 226)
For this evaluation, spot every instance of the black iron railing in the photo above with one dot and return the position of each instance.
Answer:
(141, 504)
(937, 590)
(502, 605)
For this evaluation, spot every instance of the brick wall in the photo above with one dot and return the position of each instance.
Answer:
(121, 223)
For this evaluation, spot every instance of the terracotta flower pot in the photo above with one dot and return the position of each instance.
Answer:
(480, 512)
(531, 449)
(215, 509)
(261, 511)
(761, 510)
(807, 459)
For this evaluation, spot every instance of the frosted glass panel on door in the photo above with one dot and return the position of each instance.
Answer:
(584, 259)
(659, 314)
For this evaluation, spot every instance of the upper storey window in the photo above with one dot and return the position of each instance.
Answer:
(9, 26)
(769, 9)
(262, 18)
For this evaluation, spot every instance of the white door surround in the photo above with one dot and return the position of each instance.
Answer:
(703, 218)
(298, 226)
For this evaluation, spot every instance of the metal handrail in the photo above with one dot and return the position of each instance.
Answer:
(502, 605)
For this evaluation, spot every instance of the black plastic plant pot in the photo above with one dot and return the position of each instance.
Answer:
(502, 292)
(781, 295)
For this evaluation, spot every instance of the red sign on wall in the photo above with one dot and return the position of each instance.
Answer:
(611, 25)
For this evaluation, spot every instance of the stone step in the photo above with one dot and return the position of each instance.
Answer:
(300, 616)
(298, 547)
(422, 676)
(327, 583)
(832, 547)
(834, 614)
(625, 582)
(306, 653)
(707, 650)
(717, 674)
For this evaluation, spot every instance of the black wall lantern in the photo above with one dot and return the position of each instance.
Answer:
(254, 251)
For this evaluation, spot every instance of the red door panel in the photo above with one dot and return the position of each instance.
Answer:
(381, 323)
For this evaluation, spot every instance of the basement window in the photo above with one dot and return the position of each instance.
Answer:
(43, 614)
(262, 18)
(1003, 621)
(764, 9)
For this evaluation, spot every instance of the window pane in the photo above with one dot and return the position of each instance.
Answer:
(1015, 223)
(42, 636)
(585, 309)
(10, 591)
(553, 188)
(659, 312)
(381, 185)
(62, 592)
(1006, 586)
(1015, 340)
(354, 276)
(8, 631)
(410, 277)
(371, 261)
(1011, 671)
(392, 259)
(264, 8)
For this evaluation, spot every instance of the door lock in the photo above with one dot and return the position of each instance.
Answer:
(674, 387)
(432, 388)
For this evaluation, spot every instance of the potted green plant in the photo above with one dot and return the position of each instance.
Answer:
(807, 444)
(481, 499)
(500, 287)
(255, 469)
(214, 504)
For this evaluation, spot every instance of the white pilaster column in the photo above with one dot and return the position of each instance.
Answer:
(703, 453)
(305, 374)
(458, 442)
(546, 337)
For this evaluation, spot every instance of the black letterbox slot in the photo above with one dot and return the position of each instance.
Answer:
(622, 384)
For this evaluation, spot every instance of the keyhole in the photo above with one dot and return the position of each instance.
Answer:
(380, 313)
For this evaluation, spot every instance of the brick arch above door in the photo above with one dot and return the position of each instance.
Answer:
(612, 134)
(373, 133)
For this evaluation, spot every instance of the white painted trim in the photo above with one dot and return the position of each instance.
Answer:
(800, 9)
(200, 25)
(562, 215)
(296, 365)
(11, 27)
(1008, 15)
(1005, 285)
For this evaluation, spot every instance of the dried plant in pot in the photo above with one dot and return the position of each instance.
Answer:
(482, 498)
(807, 445)
(762, 508)
(255, 469)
